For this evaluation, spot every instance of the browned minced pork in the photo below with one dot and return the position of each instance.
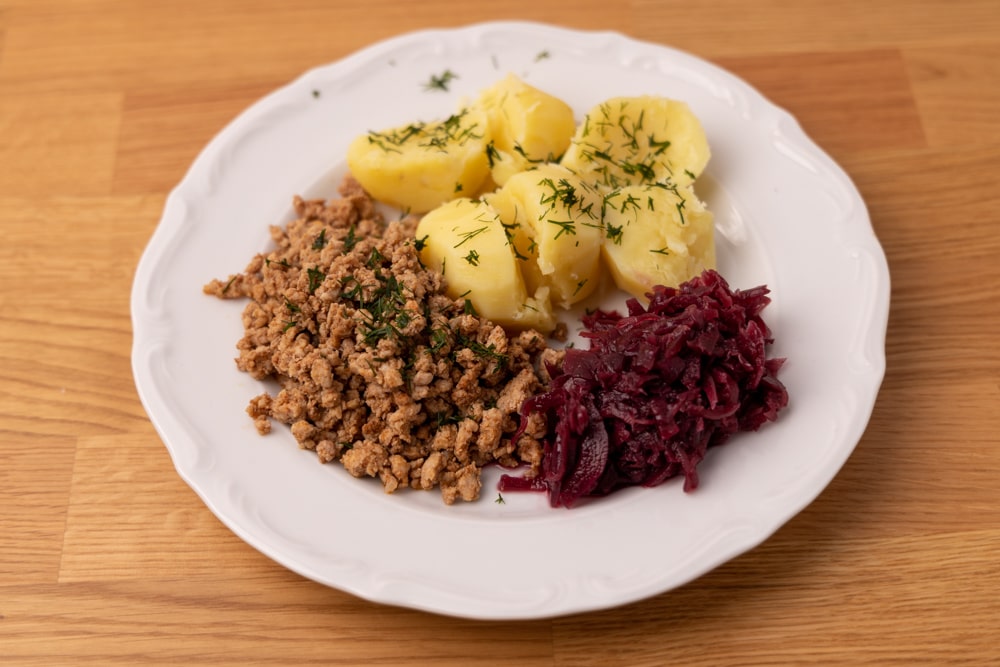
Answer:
(378, 368)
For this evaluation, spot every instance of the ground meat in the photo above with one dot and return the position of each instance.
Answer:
(377, 367)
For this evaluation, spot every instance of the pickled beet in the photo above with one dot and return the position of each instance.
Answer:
(656, 389)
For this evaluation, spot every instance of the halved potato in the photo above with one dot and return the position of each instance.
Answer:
(656, 235)
(554, 221)
(419, 166)
(634, 140)
(465, 240)
(527, 126)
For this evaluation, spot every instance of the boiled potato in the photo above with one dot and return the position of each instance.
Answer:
(465, 240)
(527, 125)
(419, 166)
(633, 140)
(554, 219)
(544, 228)
(657, 234)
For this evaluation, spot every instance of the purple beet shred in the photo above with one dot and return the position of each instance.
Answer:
(656, 389)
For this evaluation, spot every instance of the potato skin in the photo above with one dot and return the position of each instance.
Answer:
(465, 240)
(420, 166)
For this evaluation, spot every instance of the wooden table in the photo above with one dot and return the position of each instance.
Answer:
(107, 557)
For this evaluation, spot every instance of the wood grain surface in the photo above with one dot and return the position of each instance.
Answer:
(108, 557)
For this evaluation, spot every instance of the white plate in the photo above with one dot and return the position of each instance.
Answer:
(787, 216)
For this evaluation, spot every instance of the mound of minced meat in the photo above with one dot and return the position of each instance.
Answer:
(377, 368)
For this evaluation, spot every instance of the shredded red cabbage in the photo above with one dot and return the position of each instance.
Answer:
(656, 389)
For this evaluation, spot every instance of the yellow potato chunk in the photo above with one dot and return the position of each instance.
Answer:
(634, 140)
(558, 203)
(554, 220)
(657, 234)
(419, 166)
(465, 240)
(527, 126)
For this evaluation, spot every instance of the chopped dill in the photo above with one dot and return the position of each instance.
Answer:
(465, 236)
(440, 81)
(644, 170)
(523, 153)
(487, 352)
(658, 146)
(433, 136)
(484, 351)
(438, 340)
(631, 201)
(354, 293)
(565, 227)
(383, 307)
(614, 233)
(316, 278)
(509, 234)
(492, 155)
(351, 239)
(562, 192)
(375, 259)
